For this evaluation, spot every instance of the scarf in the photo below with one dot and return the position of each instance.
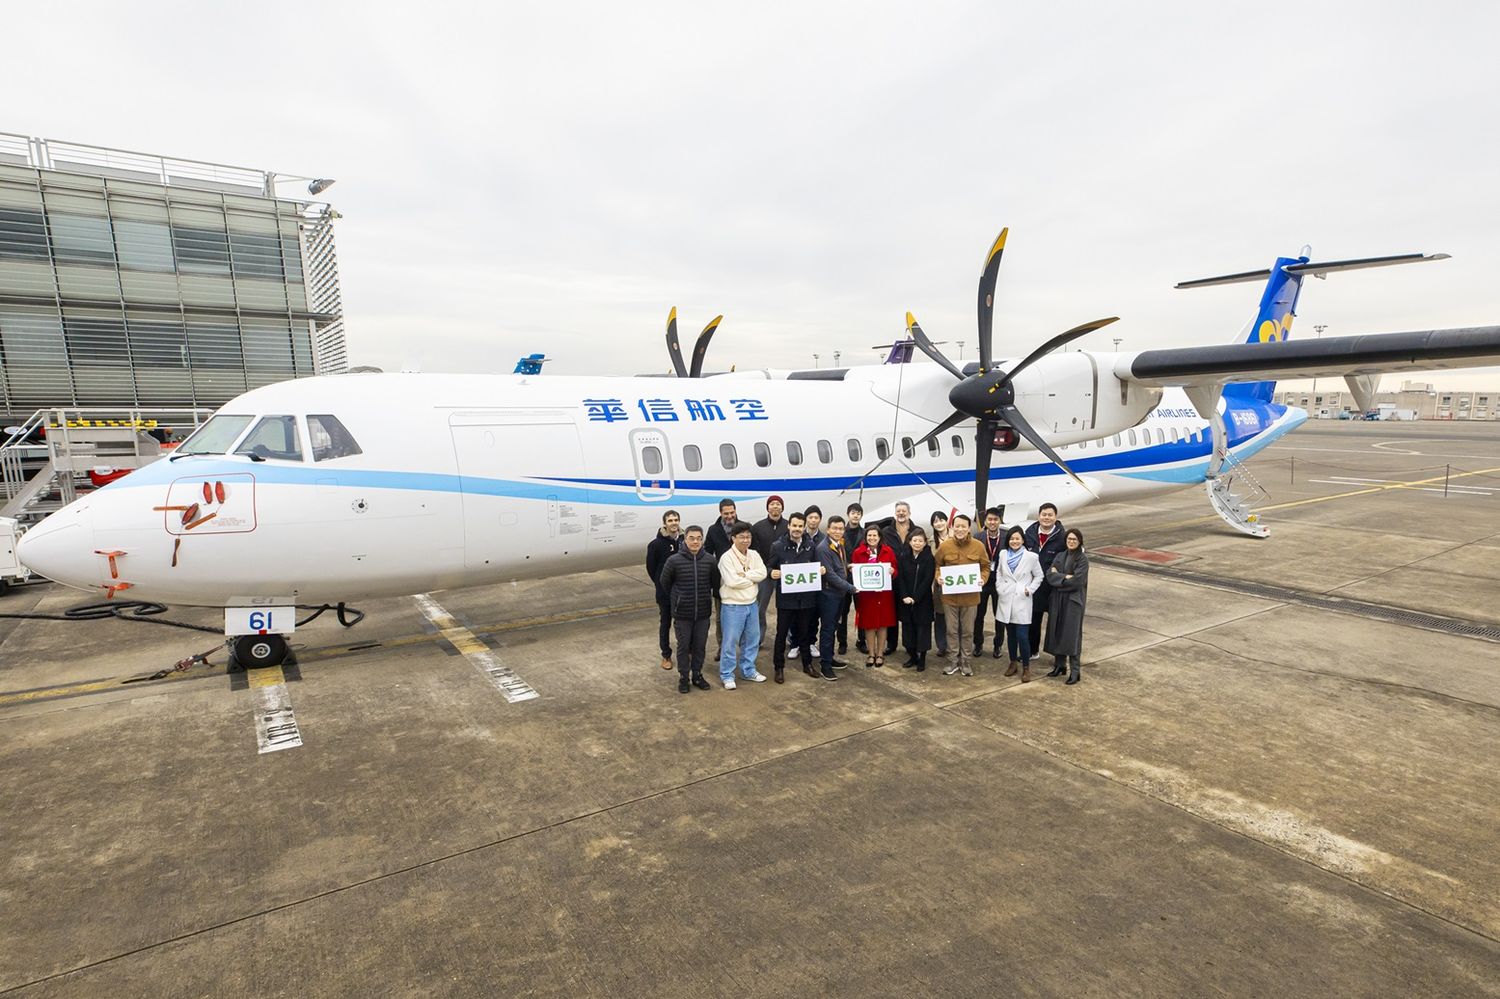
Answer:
(1013, 557)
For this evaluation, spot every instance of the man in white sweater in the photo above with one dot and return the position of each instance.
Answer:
(741, 570)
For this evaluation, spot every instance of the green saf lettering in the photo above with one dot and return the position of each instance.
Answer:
(797, 578)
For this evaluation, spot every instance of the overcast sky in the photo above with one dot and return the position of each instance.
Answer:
(519, 177)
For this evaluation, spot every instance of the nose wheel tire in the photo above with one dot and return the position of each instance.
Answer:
(259, 651)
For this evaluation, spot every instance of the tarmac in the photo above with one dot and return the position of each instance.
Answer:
(1277, 778)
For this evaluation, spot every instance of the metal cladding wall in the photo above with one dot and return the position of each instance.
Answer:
(119, 292)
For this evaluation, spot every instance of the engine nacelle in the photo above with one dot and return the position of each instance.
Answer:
(1076, 397)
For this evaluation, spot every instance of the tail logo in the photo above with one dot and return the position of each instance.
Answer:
(1271, 331)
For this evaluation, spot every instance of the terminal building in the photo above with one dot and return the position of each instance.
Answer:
(1413, 401)
(130, 280)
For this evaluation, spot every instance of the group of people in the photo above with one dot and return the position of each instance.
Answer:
(1034, 581)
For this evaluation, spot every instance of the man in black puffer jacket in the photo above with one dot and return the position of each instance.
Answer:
(691, 580)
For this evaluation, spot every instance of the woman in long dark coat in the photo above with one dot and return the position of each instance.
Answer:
(915, 573)
(1069, 579)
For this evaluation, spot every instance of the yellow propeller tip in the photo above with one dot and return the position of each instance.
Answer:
(715, 323)
(999, 245)
(672, 316)
(911, 320)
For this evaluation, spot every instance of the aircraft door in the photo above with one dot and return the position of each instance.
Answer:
(653, 465)
(512, 515)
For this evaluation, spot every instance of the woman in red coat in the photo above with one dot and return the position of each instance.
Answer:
(875, 609)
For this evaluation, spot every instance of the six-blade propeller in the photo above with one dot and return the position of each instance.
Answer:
(988, 396)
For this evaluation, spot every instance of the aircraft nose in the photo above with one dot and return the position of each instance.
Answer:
(61, 549)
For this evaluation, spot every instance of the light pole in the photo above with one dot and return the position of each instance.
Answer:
(1117, 345)
(815, 359)
(960, 350)
(1318, 328)
(836, 355)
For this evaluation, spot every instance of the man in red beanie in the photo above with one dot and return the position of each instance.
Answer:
(763, 534)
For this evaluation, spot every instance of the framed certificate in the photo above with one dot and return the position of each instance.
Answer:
(872, 577)
(801, 578)
(959, 579)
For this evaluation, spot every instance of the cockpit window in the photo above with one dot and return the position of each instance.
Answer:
(329, 438)
(215, 436)
(273, 437)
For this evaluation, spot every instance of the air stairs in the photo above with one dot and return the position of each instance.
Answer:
(1233, 492)
(45, 462)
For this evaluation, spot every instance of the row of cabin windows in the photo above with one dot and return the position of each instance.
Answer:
(1163, 434)
(692, 455)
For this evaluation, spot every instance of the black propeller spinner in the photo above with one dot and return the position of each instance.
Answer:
(700, 349)
(989, 396)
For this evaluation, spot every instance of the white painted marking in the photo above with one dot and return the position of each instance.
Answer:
(275, 724)
(1452, 490)
(500, 676)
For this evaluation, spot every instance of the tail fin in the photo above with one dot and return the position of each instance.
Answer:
(1273, 322)
(1278, 303)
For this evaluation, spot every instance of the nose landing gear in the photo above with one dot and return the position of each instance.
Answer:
(257, 651)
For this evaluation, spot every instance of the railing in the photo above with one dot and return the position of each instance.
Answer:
(12, 471)
(79, 438)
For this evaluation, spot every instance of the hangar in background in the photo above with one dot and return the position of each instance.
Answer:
(143, 281)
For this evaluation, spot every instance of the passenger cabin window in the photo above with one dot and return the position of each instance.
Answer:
(1117, 440)
(934, 448)
(882, 448)
(762, 454)
(1161, 436)
(794, 452)
(1131, 435)
(273, 437)
(329, 439)
(825, 452)
(958, 445)
(651, 459)
(908, 447)
(215, 436)
(1176, 437)
(727, 456)
(692, 458)
(856, 451)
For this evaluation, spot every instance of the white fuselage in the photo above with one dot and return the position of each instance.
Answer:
(470, 479)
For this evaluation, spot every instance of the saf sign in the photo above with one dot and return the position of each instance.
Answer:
(960, 579)
(872, 577)
(801, 578)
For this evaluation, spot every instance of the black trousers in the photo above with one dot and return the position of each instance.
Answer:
(989, 602)
(843, 631)
(798, 625)
(916, 638)
(692, 643)
(1039, 601)
(664, 630)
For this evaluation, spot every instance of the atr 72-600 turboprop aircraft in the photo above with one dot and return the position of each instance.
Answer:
(338, 488)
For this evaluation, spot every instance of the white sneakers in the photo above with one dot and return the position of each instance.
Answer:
(756, 678)
(729, 684)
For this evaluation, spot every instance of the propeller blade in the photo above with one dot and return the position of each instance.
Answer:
(1018, 422)
(984, 445)
(701, 347)
(987, 300)
(926, 347)
(947, 424)
(674, 348)
(1053, 344)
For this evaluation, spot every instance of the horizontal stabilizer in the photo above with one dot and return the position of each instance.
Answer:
(1369, 354)
(1317, 268)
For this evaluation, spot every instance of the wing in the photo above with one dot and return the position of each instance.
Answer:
(1344, 356)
